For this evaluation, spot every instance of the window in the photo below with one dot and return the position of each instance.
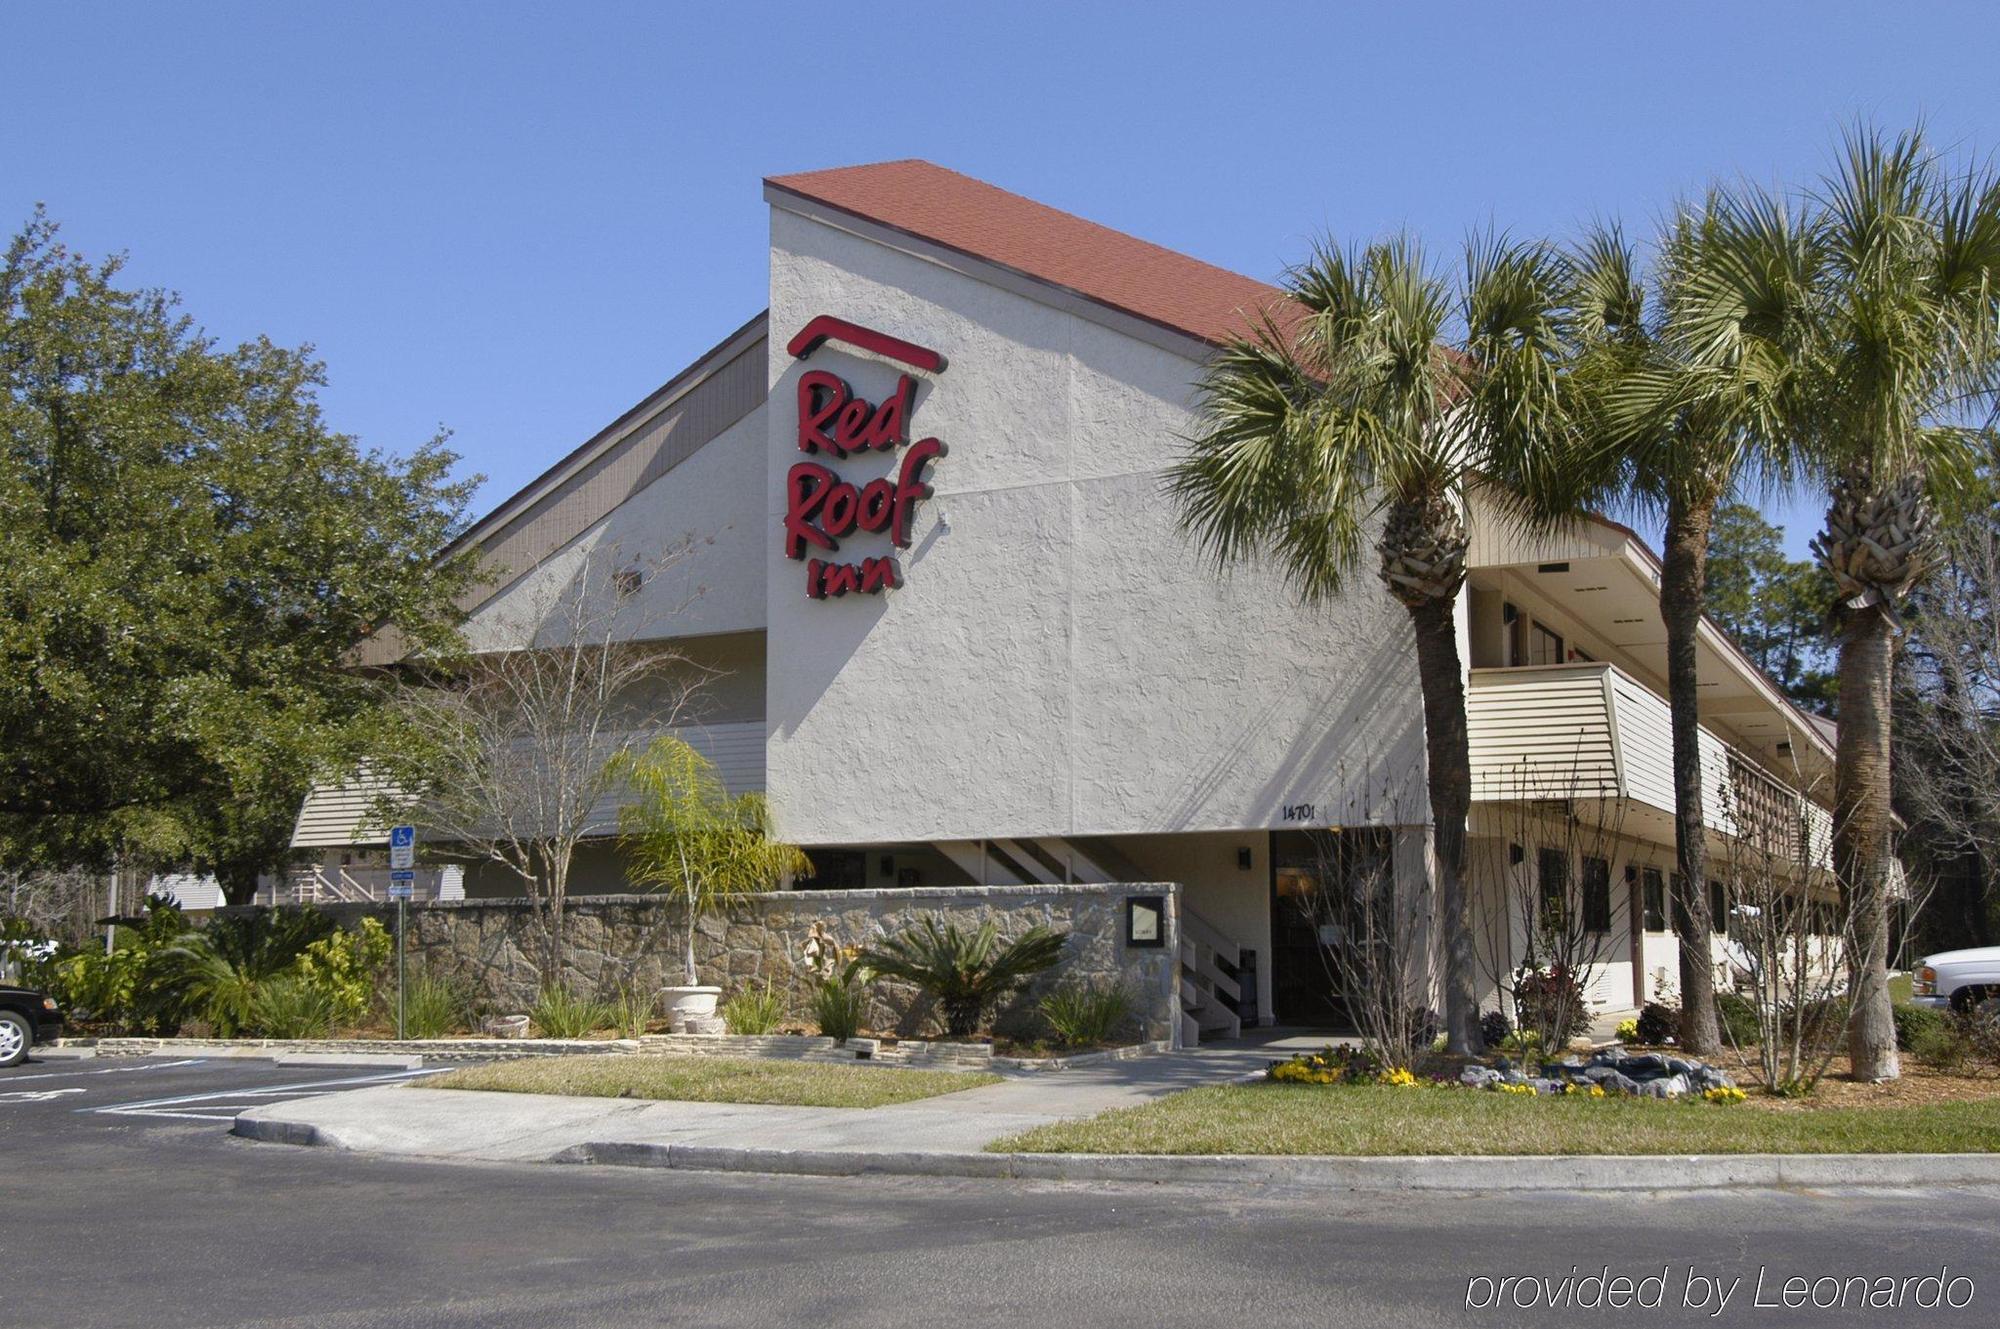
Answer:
(835, 870)
(1656, 900)
(1544, 647)
(1596, 895)
(1552, 874)
(1718, 908)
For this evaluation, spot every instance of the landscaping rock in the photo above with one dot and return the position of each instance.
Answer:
(1643, 1066)
(1478, 1077)
(1512, 1076)
(1667, 1086)
(1599, 1074)
(1547, 1086)
(507, 1026)
(1619, 1083)
(1679, 1067)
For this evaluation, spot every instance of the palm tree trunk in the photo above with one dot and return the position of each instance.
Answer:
(1861, 828)
(1683, 589)
(1450, 783)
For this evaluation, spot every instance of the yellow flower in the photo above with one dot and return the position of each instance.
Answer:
(1398, 1075)
(1724, 1094)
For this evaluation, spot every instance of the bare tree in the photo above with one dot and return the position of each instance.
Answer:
(1554, 917)
(57, 904)
(1373, 930)
(515, 749)
(1791, 929)
(1948, 758)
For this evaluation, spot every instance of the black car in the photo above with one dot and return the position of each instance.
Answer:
(26, 1018)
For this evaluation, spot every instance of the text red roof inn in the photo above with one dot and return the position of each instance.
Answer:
(1096, 262)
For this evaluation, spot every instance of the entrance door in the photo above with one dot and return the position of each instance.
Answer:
(1316, 878)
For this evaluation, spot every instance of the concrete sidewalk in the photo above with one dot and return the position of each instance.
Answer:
(467, 1124)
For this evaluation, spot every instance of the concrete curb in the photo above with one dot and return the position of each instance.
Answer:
(1605, 1172)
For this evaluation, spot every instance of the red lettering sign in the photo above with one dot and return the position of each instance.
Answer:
(820, 507)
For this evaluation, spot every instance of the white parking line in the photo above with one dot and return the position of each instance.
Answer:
(37, 1095)
(150, 1106)
(110, 1070)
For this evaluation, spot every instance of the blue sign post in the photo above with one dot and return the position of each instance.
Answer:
(402, 884)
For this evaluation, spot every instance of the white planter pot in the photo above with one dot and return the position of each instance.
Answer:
(684, 1003)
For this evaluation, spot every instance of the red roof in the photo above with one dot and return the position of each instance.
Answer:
(1107, 266)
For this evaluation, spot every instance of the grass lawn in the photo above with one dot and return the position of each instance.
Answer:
(712, 1080)
(1379, 1119)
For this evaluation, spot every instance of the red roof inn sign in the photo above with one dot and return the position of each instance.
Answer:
(821, 509)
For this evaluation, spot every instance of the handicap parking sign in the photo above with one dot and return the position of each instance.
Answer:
(402, 846)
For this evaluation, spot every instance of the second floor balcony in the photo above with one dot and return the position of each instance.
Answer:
(1590, 731)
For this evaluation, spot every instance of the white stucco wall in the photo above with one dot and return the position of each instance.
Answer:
(697, 531)
(1059, 661)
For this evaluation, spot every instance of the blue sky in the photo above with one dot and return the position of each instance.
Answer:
(514, 221)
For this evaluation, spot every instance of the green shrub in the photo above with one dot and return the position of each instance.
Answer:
(218, 969)
(1738, 1018)
(634, 1008)
(558, 1013)
(347, 967)
(1084, 1016)
(839, 1005)
(1913, 1022)
(434, 1006)
(966, 973)
(754, 1010)
(1552, 1004)
(1943, 1046)
(1658, 1023)
(292, 1006)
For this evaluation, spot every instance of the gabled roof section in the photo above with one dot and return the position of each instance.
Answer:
(971, 217)
(663, 430)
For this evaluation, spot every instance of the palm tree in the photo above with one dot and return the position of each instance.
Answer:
(1349, 406)
(1680, 384)
(1906, 355)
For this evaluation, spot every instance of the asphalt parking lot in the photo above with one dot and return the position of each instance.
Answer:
(70, 1095)
(139, 1208)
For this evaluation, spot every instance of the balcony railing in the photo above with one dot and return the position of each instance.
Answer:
(360, 885)
(1593, 731)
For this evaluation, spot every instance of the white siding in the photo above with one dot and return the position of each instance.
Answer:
(1541, 733)
(332, 816)
(1594, 730)
(1645, 742)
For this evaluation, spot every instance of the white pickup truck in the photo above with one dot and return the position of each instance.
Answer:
(1958, 980)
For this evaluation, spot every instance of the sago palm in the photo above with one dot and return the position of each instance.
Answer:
(1681, 380)
(1357, 406)
(967, 973)
(1904, 371)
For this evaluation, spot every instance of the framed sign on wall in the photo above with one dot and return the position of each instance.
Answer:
(1146, 921)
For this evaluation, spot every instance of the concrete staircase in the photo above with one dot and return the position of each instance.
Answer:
(1211, 987)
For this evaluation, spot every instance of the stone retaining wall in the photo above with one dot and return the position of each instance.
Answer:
(637, 939)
